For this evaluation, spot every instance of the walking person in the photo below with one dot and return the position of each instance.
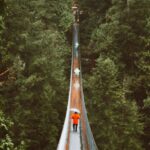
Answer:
(75, 116)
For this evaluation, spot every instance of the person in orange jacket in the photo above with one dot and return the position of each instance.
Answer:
(75, 118)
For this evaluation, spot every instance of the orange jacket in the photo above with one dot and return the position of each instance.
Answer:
(75, 118)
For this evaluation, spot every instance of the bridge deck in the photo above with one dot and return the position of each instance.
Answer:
(75, 139)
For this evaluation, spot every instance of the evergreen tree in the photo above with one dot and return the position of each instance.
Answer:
(5, 139)
(33, 94)
(124, 37)
(116, 120)
(34, 66)
(146, 120)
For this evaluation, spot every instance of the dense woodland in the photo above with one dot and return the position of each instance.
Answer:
(35, 59)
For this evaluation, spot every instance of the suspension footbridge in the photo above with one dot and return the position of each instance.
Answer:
(83, 138)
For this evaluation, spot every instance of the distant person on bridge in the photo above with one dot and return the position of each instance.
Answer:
(75, 118)
(76, 12)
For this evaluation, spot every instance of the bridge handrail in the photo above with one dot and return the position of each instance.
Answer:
(91, 142)
(64, 135)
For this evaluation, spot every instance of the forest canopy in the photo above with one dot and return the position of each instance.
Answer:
(35, 60)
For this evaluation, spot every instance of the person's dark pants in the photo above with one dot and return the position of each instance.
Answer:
(75, 126)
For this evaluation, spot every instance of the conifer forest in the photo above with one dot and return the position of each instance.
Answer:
(35, 63)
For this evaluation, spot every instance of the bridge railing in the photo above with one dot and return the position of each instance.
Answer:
(65, 131)
(87, 139)
(90, 139)
(89, 136)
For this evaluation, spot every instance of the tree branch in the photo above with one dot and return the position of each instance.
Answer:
(3, 73)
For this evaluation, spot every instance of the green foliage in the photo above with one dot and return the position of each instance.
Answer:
(115, 121)
(6, 142)
(34, 53)
(34, 56)
(1, 25)
(146, 112)
(5, 124)
(121, 35)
